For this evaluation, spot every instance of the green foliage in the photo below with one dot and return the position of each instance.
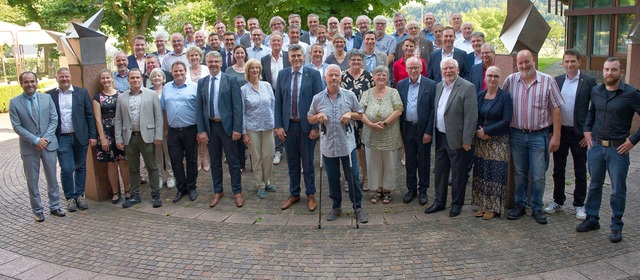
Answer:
(11, 91)
(489, 21)
(52, 14)
(9, 13)
(124, 19)
(555, 39)
(195, 12)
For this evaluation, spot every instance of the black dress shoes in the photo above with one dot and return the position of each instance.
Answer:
(455, 210)
(588, 225)
(539, 216)
(179, 196)
(616, 235)
(409, 196)
(193, 195)
(39, 217)
(434, 208)
(422, 198)
(58, 212)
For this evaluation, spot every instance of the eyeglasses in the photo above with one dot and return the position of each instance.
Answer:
(413, 68)
(491, 76)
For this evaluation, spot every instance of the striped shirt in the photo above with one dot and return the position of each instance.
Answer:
(532, 104)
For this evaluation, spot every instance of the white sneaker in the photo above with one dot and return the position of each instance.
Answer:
(581, 214)
(171, 183)
(553, 207)
(277, 158)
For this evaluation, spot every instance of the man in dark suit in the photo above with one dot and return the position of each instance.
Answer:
(417, 93)
(433, 66)
(488, 52)
(455, 118)
(229, 40)
(475, 57)
(136, 60)
(34, 118)
(219, 121)
(575, 87)
(425, 46)
(310, 37)
(76, 130)
(294, 92)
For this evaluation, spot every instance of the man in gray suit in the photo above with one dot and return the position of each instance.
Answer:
(139, 126)
(455, 119)
(34, 118)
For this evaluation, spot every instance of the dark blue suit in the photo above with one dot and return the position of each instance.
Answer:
(418, 155)
(471, 59)
(433, 66)
(220, 131)
(297, 143)
(223, 53)
(72, 151)
(133, 63)
(477, 76)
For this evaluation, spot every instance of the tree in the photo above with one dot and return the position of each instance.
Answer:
(489, 21)
(555, 38)
(195, 12)
(125, 19)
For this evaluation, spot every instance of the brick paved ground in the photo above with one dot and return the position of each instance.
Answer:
(190, 240)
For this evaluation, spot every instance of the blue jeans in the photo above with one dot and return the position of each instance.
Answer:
(300, 149)
(602, 159)
(530, 153)
(332, 165)
(72, 157)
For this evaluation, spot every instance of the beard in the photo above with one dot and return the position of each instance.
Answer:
(611, 81)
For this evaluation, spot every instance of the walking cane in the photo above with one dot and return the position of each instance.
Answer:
(353, 187)
(323, 130)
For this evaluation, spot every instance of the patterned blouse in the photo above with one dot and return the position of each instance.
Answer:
(359, 85)
(257, 107)
(378, 110)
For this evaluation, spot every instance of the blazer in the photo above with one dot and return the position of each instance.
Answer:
(246, 40)
(311, 85)
(30, 127)
(426, 48)
(151, 119)
(433, 66)
(583, 98)
(476, 77)
(499, 116)
(84, 125)
(266, 66)
(304, 37)
(229, 104)
(426, 97)
(461, 113)
(133, 63)
(381, 59)
(471, 59)
(223, 53)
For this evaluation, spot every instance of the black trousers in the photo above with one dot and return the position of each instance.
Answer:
(182, 144)
(570, 141)
(448, 160)
(417, 157)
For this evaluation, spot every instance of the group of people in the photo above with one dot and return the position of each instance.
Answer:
(367, 96)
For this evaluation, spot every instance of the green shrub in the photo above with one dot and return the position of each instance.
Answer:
(10, 91)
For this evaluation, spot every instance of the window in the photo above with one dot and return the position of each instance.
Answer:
(581, 4)
(601, 3)
(579, 33)
(624, 25)
(623, 3)
(601, 30)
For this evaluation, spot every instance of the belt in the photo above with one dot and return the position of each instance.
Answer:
(411, 123)
(135, 133)
(543, 130)
(215, 120)
(610, 143)
(294, 119)
(181, 128)
(67, 134)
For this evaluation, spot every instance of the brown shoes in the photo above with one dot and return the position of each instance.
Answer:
(215, 199)
(311, 203)
(489, 215)
(239, 199)
(290, 201)
(479, 213)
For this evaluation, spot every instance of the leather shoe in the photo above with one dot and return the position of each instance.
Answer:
(588, 225)
(539, 216)
(423, 198)
(311, 203)
(616, 235)
(215, 199)
(455, 210)
(409, 196)
(516, 212)
(193, 195)
(290, 201)
(179, 196)
(433, 208)
(58, 212)
(39, 217)
(239, 199)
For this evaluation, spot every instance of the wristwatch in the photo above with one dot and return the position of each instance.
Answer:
(384, 124)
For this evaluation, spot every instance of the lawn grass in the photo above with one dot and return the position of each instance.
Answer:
(545, 62)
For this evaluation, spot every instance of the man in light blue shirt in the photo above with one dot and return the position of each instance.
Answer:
(258, 50)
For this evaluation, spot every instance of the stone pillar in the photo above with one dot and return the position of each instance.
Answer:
(632, 77)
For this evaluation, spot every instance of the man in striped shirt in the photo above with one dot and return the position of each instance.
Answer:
(535, 132)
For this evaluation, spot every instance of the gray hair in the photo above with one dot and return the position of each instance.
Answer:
(449, 59)
(380, 18)
(477, 34)
(381, 68)
(158, 70)
(363, 17)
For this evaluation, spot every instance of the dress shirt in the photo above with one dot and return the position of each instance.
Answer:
(239, 36)
(172, 57)
(276, 66)
(349, 42)
(325, 50)
(386, 44)
(370, 61)
(121, 83)
(463, 44)
(179, 102)
(305, 46)
(399, 37)
(459, 34)
(65, 101)
(258, 107)
(611, 113)
(428, 35)
(532, 103)
(336, 141)
(569, 91)
(412, 101)
(445, 55)
(161, 57)
(442, 104)
(134, 109)
(477, 59)
(320, 68)
(216, 93)
(141, 64)
(312, 39)
(188, 44)
(258, 53)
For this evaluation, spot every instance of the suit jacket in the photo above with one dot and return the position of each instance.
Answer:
(84, 125)
(357, 42)
(229, 104)
(583, 98)
(426, 48)
(151, 119)
(471, 59)
(476, 77)
(426, 97)
(433, 66)
(311, 85)
(266, 66)
(498, 118)
(133, 63)
(304, 37)
(246, 40)
(223, 53)
(30, 127)
(461, 113)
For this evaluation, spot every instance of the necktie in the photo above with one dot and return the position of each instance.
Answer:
(229, 59)
(34, 110)
(212, 89)
(294, 96)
